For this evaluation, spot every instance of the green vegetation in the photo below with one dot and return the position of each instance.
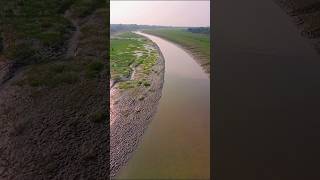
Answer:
(36, 8)
(128, 84)
(130, 51)
(82, 8)
(37, 31)
(130, 27)
(52, 74)
(58, 73)
(197, 43)
(28, 37)
(202, 30)
(200, 42)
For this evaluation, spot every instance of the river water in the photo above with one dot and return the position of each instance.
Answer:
(176, 144)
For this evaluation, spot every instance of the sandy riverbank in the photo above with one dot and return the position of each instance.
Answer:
(131, 111)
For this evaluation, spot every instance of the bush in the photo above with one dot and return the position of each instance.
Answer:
(146, 84)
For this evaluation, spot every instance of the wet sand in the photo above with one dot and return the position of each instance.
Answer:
(266, 94)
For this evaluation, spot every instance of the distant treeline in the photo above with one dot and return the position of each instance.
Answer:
(202, 30)
(130, 27)
(133, 27)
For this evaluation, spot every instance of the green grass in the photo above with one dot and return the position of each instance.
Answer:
(40, 24)
(198, 42)
(58, 73)
(82, 8)
(31, 26)
(129, 35)
(133, 83)
(123, 57)
(52, 74)
(128, 84)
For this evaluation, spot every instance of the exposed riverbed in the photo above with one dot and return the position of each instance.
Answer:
(177, 141)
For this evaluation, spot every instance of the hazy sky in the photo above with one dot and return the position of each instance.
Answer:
(170, 13)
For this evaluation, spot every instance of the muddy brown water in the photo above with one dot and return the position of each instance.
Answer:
(176, 144)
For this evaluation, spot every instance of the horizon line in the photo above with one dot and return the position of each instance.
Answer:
(155, 25)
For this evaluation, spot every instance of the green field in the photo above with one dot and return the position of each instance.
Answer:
(198, 44)
(131, 52)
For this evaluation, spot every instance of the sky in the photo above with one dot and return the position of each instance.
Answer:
(166, 13)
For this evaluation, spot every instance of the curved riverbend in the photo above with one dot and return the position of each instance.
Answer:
(176, 144)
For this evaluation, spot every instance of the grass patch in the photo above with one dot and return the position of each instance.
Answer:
(130, 50)
(133, 83)
(82, 8)
(128, 84)
(198, 42)
(53, 74)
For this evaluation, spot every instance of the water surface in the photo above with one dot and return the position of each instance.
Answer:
(176, 144)
(266, 95)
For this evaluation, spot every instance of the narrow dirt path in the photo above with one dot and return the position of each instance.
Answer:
(132, 66)
(74, 40)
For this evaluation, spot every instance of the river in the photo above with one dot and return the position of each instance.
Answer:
(266, 94)
(176, 144)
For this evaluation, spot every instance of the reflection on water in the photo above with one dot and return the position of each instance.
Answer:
(177, 141)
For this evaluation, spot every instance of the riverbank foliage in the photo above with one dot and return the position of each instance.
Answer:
(131, 52)
(201, 30)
